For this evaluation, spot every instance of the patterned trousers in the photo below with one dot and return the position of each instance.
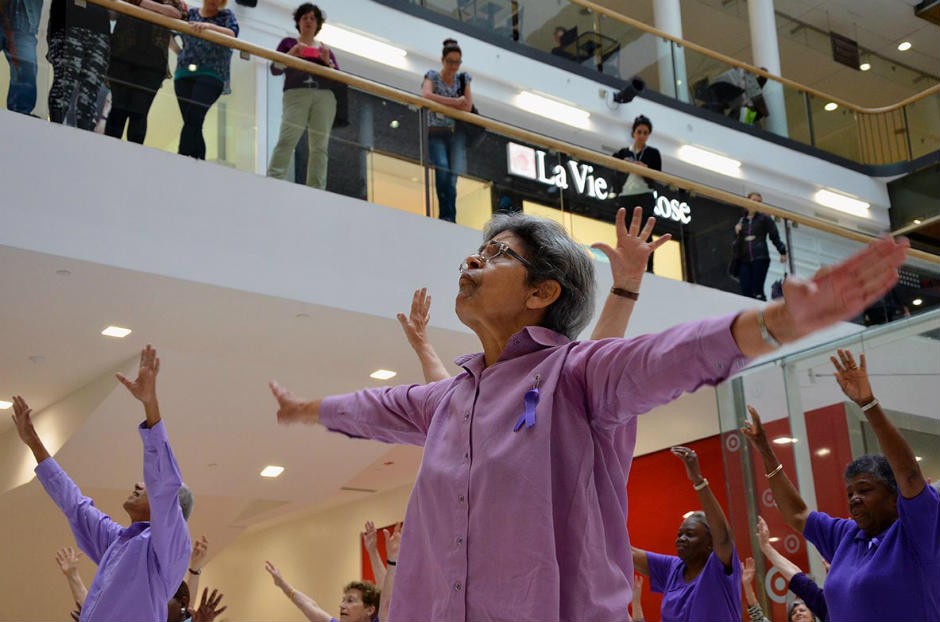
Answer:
(79, 59)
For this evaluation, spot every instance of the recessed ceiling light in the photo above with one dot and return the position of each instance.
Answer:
(841, 202)
(918, 458)
(394, 124)
(116, 331)
(917, 221)
(383, 374)
(917, 302)
(4, 404)
(774, 539)
(830, 106)
(825, 451)
(865, 66)
(904, 46)
(272, 471)
(710, 160)
(785, 440)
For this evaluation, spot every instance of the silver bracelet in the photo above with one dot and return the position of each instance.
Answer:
(870, 405)
(764, 333)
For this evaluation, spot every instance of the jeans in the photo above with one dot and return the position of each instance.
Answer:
(311, 111)
(20, 49)
(752, 277)
(195, 95)
(448, 154)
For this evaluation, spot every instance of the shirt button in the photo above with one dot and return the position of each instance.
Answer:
(457, 586)
(466, 416)
(459, 539)
(461, 498)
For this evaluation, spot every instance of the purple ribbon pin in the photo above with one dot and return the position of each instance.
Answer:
(530, 401)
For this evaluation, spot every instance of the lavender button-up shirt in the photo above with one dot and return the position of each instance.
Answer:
(139, 567)
(529, 524)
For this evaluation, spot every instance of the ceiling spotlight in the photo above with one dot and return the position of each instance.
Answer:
(917, 302)
(918, 458)
(383, 374)
(865, 66)
(116, 331)
(824, 451)
(917, 221)
(774, 539)
(271, 471)
(830, 106)
(785, 440)
(394, 124)
(4, 404)
(904, 46)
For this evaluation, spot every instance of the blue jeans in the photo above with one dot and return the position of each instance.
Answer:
(20, 49)
(448, 154)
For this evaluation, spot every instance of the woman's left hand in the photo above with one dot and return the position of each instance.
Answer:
(852, 379)
(690, 460)
(199, 26)
(628, 260)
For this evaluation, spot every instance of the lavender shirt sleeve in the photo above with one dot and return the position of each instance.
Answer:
(399, 414)
(94, 530)
(625, 377)
(811, 594)
(169, 535)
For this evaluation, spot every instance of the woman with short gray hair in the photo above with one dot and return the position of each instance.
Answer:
(519, 506)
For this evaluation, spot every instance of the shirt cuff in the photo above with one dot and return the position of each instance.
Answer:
(47, 469)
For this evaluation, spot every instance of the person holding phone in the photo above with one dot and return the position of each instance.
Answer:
(309, 102)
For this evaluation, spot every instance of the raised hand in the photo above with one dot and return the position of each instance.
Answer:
(200, 553)
(629, 258)
(763, 533)
(144, 387)
(637, 586)
(370, 537)
(754, 430)
(208, 606)
(748, 571)
(290, 408)
(415, 324)
(852, 379)
(276, 575)
(690, 460)
(22, 420)
(841, 291)
(67, 558)
(392, 542)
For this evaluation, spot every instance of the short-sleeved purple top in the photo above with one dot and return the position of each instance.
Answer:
(714, 595)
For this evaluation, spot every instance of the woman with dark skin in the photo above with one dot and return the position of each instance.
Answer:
(891, 544)
(703, 582)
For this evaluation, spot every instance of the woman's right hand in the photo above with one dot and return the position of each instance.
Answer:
(753, 429)
(737, 229)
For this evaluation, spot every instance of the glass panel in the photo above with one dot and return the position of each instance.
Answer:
(835, 129)
(923, 122)
(626, 51)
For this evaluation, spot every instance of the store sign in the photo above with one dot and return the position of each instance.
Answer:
(530, 163)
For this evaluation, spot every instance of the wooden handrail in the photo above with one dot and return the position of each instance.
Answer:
(751, 68)
(498, 127)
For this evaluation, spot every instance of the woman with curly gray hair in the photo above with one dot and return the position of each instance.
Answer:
(519, 506)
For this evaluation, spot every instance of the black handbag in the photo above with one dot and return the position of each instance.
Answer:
(737, 250)
(474, 133)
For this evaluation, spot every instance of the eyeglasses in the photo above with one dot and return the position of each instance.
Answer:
(493, 249)
(448, 61)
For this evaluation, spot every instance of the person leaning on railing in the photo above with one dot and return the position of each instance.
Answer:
(886, 559)
(309, 104)
(202, 72)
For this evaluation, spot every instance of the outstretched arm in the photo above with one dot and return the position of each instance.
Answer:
(787, 568)
(392, 546)
(788, 498)
(22, 419)
(637, 605)
(196, 561)
(640, 563)
(67, 559)
(415, 328)
(834, 294)
(371, 542)
(754, 610)
(717, 522)
(853, 380)
(309, 607)
(627, 266)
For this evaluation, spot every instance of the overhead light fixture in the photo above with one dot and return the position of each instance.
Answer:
(552, 109)
(362, 45)
(917, 221)
(918, 458)
(865, 66)
(774, 539)
(830, 106)
(842, 202)
(4, 404)
(916, 302)
(904, 46)
(710, 160)
(824, 451)
(383, 374)
(116, 331)
(394, 124)
(271, 470)
(785, 440)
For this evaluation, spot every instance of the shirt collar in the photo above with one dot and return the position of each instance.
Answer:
(526, 341)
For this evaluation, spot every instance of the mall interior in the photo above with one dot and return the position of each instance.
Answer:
(239, 278)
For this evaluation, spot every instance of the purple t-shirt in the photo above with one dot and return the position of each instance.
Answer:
(713, 596)
(893, 576)
(529, 524)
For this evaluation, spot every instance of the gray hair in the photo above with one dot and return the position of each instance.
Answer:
(554, 256)
(875, 465)
(699, 517)
(186, 501)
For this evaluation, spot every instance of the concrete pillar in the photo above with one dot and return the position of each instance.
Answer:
(766, 53)
(667, 16)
